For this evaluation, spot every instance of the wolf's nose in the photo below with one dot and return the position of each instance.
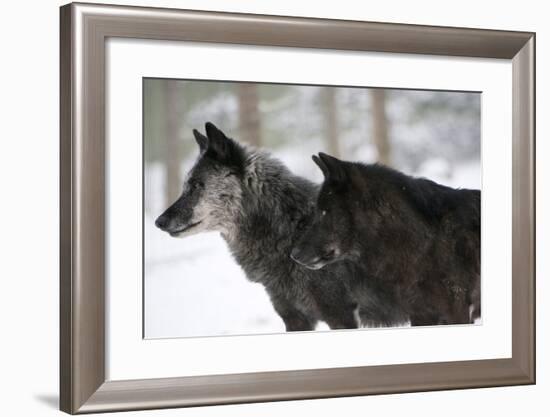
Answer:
(161, 222)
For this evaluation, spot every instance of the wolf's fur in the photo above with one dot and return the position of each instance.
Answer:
(259, 207)
(416, 240)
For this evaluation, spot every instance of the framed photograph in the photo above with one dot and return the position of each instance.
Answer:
(262, 208)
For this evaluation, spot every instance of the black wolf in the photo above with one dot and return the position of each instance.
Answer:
(416, 240)
(260, 209)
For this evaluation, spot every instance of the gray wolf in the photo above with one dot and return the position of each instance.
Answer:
(417, 241)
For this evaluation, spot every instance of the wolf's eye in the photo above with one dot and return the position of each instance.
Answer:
(323, 213)
(196, 185)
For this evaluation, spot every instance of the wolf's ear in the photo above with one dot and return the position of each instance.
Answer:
(218, 143)
(333, 169)
(320, 164)
(202, 140)
(213, 132)
(224, 149)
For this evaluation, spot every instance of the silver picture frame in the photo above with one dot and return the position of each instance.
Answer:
(83, 34)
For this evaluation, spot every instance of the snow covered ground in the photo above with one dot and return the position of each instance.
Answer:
(193, 287)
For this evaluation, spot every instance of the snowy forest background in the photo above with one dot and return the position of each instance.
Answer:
(192, 286)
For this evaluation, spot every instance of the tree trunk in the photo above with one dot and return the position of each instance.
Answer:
(331, 120)
(249, 114)
(380, 126)
(172, 141)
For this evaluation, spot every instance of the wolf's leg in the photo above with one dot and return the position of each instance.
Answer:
(335, 306)
(459, 305)
(298, 323)
(295, 320)
(346, 320)
(460, 313)
(340, 316)
(338, 313)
